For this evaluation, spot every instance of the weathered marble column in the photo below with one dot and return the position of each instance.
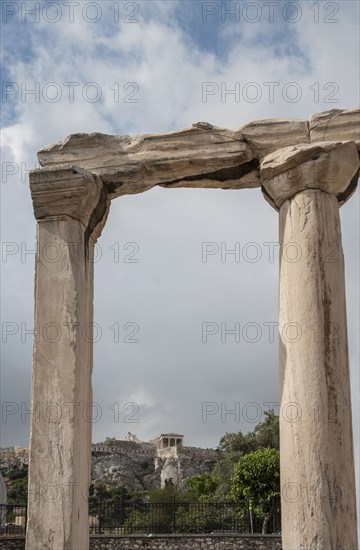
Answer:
(70, 206)
(306, 183)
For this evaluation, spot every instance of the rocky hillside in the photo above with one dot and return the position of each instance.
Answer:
(133, 470)
(132, 464)
(143, 466)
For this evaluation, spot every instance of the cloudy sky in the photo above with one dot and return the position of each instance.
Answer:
(154, 66)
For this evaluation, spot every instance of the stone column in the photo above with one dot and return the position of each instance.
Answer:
(70, 206)
(306, 183)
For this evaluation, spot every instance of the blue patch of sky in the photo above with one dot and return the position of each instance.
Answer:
(281, 43)
(18, 36)
(203, 27)
(201, 22)
(16, 41)
(215, 26)
(110, 55)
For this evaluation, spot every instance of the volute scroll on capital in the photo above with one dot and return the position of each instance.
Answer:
(330, 166)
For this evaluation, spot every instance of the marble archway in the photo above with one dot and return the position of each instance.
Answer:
(306, 170)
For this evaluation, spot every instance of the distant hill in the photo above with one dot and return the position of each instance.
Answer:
(130, 462)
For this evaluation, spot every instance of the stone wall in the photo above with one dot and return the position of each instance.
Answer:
(120, 446)
(169, 542)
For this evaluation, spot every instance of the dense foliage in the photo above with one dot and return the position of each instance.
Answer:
(236, 445)
(246, 477)
(16, 481)
(256, 476)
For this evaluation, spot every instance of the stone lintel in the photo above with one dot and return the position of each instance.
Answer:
(336, 125)
(203, 156)
(266, 136)
(329, 166)
(69, 190)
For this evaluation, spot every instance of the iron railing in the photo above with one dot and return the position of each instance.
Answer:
(177, 517)
(13, 519)
(181, 517)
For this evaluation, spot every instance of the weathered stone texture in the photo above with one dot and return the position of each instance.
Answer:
(164, 542)
(329, 166)
(60, 434)
(336, 125)
(189, 542)
(203, 156)
(316, 448)
(302, 176)
(266, 136)
(71, 207)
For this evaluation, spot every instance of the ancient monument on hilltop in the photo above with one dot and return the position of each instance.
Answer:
(131, 463)
(306, 170)
(163, 459)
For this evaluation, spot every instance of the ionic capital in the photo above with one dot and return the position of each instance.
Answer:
(70, 191)
(330, 166)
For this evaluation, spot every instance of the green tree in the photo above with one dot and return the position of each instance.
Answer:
(111, 503)
(236, 445)
(256, 477)
(265, 434)
(16, 484)
(232, 443)
(165, 494)
(201, 487)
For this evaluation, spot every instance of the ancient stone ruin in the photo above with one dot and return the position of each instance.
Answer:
(306, 170)
(131, 463)
(120, 460)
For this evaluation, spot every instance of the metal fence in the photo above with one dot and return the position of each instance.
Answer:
(161, 517)
(182, 517)
(13, 519)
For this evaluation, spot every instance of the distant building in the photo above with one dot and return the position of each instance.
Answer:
(135, 464)
(164, 441)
